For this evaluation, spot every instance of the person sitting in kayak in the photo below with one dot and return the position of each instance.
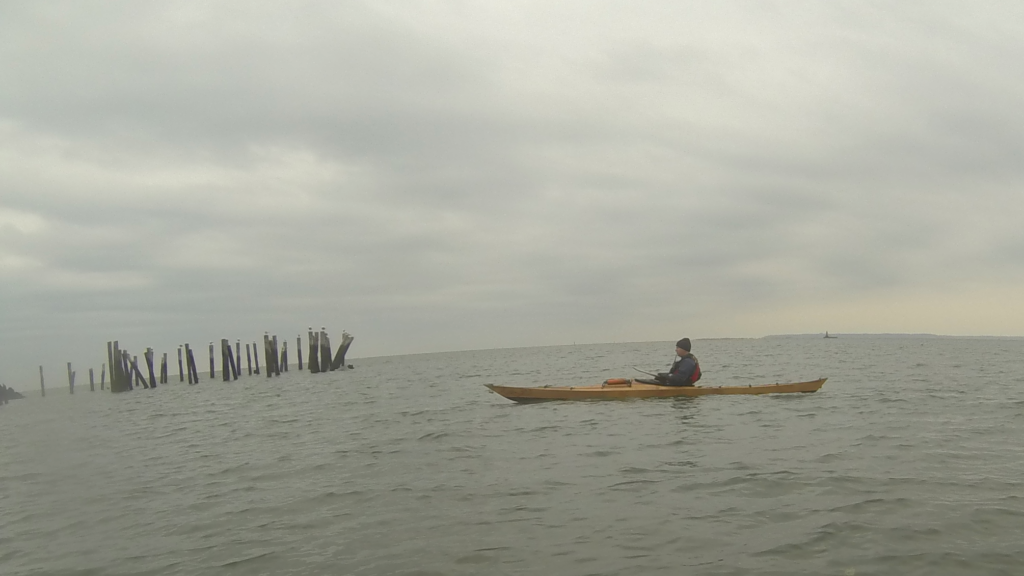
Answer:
(685, 370)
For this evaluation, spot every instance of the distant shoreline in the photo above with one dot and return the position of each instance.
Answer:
(893, 335)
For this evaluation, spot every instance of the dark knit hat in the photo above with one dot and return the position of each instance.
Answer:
(684, 344)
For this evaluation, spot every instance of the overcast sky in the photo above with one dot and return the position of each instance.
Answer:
(455, 175)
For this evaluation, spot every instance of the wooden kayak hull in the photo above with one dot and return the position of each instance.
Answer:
(633, 389)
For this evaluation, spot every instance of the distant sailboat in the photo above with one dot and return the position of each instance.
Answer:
(827, 336)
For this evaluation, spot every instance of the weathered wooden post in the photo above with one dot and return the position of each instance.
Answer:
(110, 362)
(193, 370)
(227, 360)
(181, 370)
(92, 382)
(119, 381)
(126, 373)
(126, 366)
(150, 363)
(163, 369)
(139, 378)
(211, 362)
(248, 358)
(124, 383)
(256, 359)
(238, 358)
(115, 361)
(103, 377)
(130, 368)
(284, 354)
(224, 370)
(268, 353)
(188, 363)
(113, 369)
(130, 378)
(325, 351)
(314, 352)
(195, 367)
(233, 363)
(71, 379)
(298, 350)
(339, 358)
(126, 370)
(42, 384)
(277, 356)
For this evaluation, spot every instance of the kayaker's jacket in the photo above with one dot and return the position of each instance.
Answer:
(685, 371)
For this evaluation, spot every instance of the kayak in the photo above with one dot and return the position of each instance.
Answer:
(623, 388)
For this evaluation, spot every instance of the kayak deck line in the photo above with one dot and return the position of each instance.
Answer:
(626, 389)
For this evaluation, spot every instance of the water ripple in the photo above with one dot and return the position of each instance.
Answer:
(892, 468)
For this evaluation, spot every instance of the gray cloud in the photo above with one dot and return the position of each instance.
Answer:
(444, 176)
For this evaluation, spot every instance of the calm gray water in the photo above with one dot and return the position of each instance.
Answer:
(909, 461)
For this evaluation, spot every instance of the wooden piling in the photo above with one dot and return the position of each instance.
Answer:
(325, 351)
(277, 355)
(124, 383)
(116, 382)
(268, 355)
(92, 382)
(314, 352)
(163, 369)
(193, 370)
(284, 355)
(248, 358)
(225, 372)
(195, 367)
(298, 350)
(133, 382)
(181, 369)
(256, 359)
(227, 361)
(103, 377)
(42, 384)
(126, 360)
(188, 364)
(150, 363)
(212, 374)
(232, 363)
(339, 358)
(124, 367)
(139, 378)
(110, 362)
(119, 381)
(71, 379)
(111, 355)
(238, 358)
(126, 370)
